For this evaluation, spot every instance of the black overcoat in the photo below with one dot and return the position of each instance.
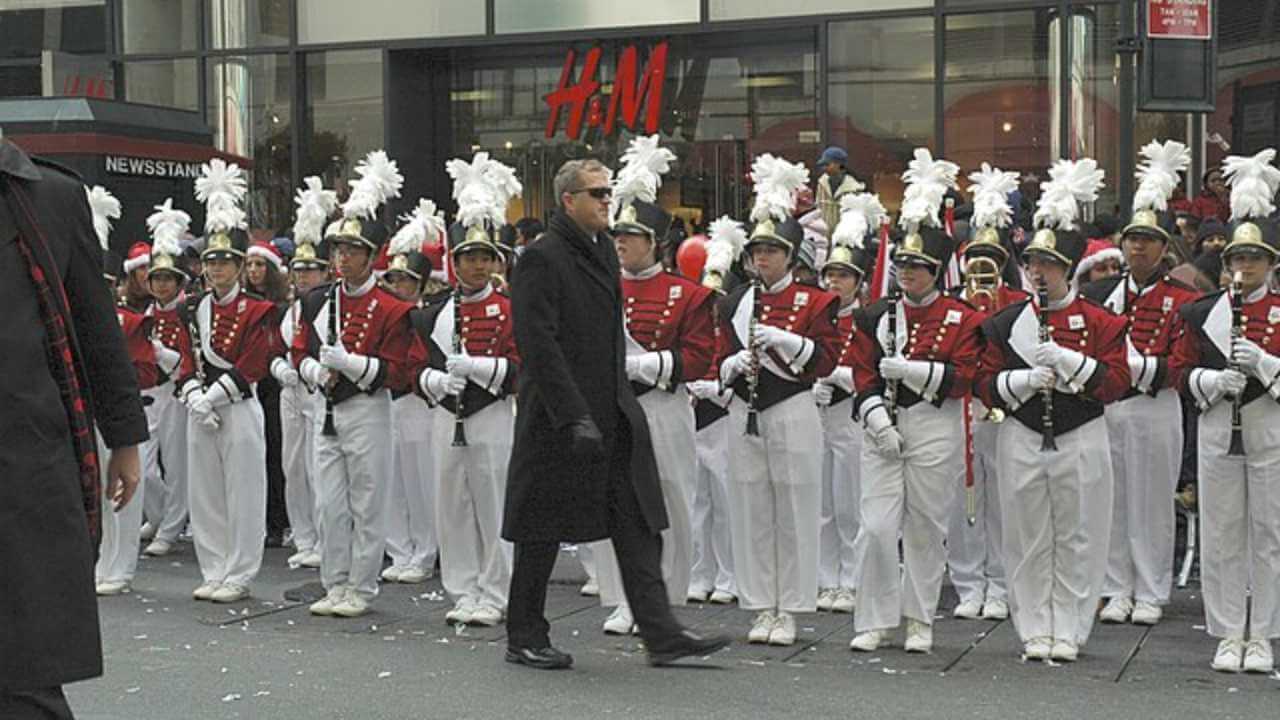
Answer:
(48, 609)
(567, 308)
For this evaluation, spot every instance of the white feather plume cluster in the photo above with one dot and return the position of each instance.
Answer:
(726, 239)
(990, 189)
(105, 208)
(776, 183)
(1071, 182)
(380, 180)
(482, 187)
(167, 225)
(927, 183)
(315, 205)
(860, 215)
(1253, 182)
(643, 165)
(221, 187)
(1158, 173)
(426, 221)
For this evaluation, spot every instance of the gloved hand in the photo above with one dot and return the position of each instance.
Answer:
(284, 373)
(202, 409)
(1019, 386)
(881, 430)
(648, 367)
(314, 373)
(1065, 362)
(734, 366)
(1229, 383)
(585, 440)
(822, 394)
(1247, 354)
(784, 341)
(460, 365)
(702, 389)
(167, 359)
(439, 384)
(841, 377)
(334, 357)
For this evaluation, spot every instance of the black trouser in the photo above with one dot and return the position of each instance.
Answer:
(639, 553)
(269, 398)
(43, 704)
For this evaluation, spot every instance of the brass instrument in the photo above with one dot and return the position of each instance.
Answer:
(753, 372)
(982, 279)
(1046, 415)
(1237, 333)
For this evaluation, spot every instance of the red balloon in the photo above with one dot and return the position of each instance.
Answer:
(692, 256)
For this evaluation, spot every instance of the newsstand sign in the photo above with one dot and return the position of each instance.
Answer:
(1179, 19)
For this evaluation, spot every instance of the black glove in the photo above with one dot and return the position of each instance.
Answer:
(585, 440)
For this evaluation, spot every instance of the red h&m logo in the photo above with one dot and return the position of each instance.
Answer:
(630, 93)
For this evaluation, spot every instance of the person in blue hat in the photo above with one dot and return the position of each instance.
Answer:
(834, 182)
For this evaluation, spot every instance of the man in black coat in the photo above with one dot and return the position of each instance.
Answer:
(582, 466)
(63, 368)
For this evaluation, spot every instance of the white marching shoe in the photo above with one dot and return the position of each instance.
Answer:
(1145, 613)
(325, 605)
(158, 548)
(352, 606)
(784, 629)
(413, 575)
(919, 637)
(591, 589)
(1258, 657)
(392, 573)
(1229, 655)
(722, 597)
(311, 559)
(461, 612)
(762, 627)
(826, 599)
(112, 587)
(620, 622)
(995, 610)
(868, 641)
(1064, 651)
(1117, 610)
(229, 593)
(147, 532)
(1037, 648)
(846, 600)
(485, 615)
(697, 596)
(968, 610)
(206, 590)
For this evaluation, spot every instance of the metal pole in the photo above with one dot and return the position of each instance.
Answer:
(1126, 52)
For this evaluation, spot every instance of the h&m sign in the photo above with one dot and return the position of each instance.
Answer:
(634, 90)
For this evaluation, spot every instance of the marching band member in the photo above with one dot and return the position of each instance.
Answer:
(233, 340)
(776, 339)
(1230, 354)
(464, 361)
(914, 358)
(1053, 364)
(353, 343)
(1145, 425)
(411, 523)
(668, 327)
(302, 404)
(974, 554)
(847, 265)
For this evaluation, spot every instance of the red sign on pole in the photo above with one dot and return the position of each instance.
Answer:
(1179, 19)
(633, 90)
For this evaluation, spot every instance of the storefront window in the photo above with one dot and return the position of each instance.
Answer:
(160, 26)
(344, 113)
(744, 9)
(522, 16)
(1247, 118)
(247, 23)
(321, 21)
(249, 111)
(880, 97)
(172, 83)
(52, 48)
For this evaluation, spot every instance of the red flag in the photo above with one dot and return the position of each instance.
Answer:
(880, 277)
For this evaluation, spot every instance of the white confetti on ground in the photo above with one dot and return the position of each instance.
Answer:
(230, 697)
(139, 637)
(384, 674)
(262, 693)
(132, 690)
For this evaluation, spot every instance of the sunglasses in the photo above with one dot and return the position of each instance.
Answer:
(599, 193)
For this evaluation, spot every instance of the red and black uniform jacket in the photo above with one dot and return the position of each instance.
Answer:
(170, 329)
(137, 328)
(669, 314)
(1207, 341)
(238, 339)
(1155, 323)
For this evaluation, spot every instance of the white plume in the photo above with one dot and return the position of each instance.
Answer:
(725, 242)
(927, 183)
(482, 187)
(221, 187)
(380, 180)
(1253, 181)
(1158, 173)
(990, 189)
(315, 205)
(776, 183)
(860, 215)
(424, 222)
(1071, 182)
(167, 226)
(105, 208)
(643, 165)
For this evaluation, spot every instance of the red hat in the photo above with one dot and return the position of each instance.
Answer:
(381, 261)
(434, 250)
(268, 252)
(1097, 251)
(139, 256)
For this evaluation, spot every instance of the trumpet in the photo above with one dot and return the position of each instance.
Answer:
(1237, 333)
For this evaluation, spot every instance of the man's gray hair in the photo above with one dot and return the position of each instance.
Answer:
(569, 176)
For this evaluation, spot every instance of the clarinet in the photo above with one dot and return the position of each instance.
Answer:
(1237, 332)
(753, 372)
(891, 386)
(1046, 414)
(197, 344)
(329, 429)
(459, 427)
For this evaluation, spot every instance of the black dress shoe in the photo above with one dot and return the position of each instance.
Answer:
(684, 645)
(547, 658)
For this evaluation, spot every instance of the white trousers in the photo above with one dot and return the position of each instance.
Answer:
(228, 493)
(1146, 458)
(839, 550)
(908, 496)
(298, 412)
(775, 496)
(1057, 524)
(712, 566)
(166, 506)
(118, 553)
(411, 523)
(352, 474)
(471, 483)
(975, 557)
(1240, 521)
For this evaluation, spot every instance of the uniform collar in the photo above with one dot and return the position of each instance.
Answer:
(782, 284)
(229, 298)
(926, 302)
(363, 289)
(1131, 283)
(479, 295)
(173, 304)
(847, 310)
(1066, 300)
(649, 272)
(13, 161)
(1257, 295)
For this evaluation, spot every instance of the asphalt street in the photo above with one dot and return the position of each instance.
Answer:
(170, 657)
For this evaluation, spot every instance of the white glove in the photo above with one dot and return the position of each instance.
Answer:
(734, 365)
(822, 394)
(1137, 367)
(1247, 354)
(202, 410)
(167, 359)
(922, 376)
(1048, 354)
(702, 389)
(460, 365)
(893, 367)
(284, 373)
(314, 373)
(1209, 386)
(881, 430)
(841, 377)
(439, 384)
(359, 369)
(785, 342)
(1018, 386)
(1229, 382)
(650, 368)
(1073, 367)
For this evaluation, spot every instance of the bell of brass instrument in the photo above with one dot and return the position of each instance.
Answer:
(981, 280)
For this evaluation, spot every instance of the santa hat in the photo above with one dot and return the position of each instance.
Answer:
(139, 256)
(268, 252)
(434, 251)
(1096, 252)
